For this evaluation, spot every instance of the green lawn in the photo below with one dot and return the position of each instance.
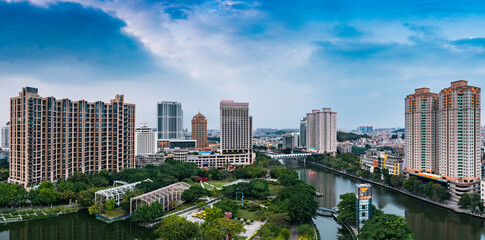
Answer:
(275, 189)
(219, 183)
(242, 213)
(117, 212)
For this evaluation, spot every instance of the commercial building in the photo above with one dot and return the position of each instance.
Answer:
(170, 120)
(236, 128)
(207, 160)
(443, 136)
(303, 127)
(363, 194)
(365, 129)
(420, 131)
(291, 141)
(176, 143)
(144, 160)
(6, 136)
(199, 130)
(321, 131)
(53, 138)
(145, 140)
(382, 160)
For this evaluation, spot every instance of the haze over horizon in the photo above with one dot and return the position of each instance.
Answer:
(283, 57)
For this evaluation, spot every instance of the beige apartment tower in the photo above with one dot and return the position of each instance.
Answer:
(199, 130)
(321, 133)
(443, 136)
(459, 137)
(420, 131)
(53, 138)
(236, 127)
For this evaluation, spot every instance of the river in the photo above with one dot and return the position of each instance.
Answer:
(427, 221)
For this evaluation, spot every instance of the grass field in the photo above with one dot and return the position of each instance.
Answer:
(245, 214)
(219, 184)
(117, 212)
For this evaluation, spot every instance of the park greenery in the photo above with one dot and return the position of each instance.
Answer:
(380, 226)
(345, 136)
(471, 201)
(351, 164)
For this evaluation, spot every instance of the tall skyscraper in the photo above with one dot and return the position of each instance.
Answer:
(443, 136)
(459, 137)
(170, 120)
(420, 131)
(236, 127)
(145, 140)
(321, 131)
(303, 126)
(199, 130)
(6, 136)
(53, 138)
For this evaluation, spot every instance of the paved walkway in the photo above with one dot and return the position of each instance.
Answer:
(294, 232)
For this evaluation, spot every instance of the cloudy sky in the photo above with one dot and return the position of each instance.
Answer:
(285, 57)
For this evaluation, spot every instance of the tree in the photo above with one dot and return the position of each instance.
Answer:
(86, 197)
(213, 213)
(346, 207)
(397, 180)
(177, 228)
(474, 201)
(280, 220)
(125, 201)
(215, 174)
(147, 212)
(110, 205)
(240, 173)
(97, 208)
(47, 196)
(222, 227)
(193, 193)
(305, 231)
(259, 188)
(384, 227)
(300, 207)
(227, 205)
(464, 200)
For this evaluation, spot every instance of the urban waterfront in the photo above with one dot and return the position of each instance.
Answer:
(427, 221)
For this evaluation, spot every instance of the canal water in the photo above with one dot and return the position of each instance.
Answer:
(427, 221)
(75, 226)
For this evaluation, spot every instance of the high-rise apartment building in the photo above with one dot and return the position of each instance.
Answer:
(170, 120)
(236, 127)
(199, 130)
(443, 136)
(145, 140)
(459, 137)
(53, 138)
(6, 136)
(365, 129)
(321, 134)
(303, 126)
(420, 131)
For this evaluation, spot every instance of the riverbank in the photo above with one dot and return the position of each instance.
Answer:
(25, 214)
(453, 208)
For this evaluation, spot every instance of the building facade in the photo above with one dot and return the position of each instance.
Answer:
(321, 131)
(421, 131)
(363, 194)
(145, 140)
(170, 120)
(459, 139)
(144, 160)
(365, 129)
(382, 160)
(236, 127)
(53, 138)
(303, 127)
(5, 136)
(199, 130)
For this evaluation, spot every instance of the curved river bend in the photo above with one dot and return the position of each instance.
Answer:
(427, 221)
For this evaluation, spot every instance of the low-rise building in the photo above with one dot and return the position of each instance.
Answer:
(177, 143)
(207, 160)
(155, 159)
(344, 148)
(381, 159)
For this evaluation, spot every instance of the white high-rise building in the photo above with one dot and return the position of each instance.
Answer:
(6, 136)
(145, 140)
(170, 120)
(321, 134)
(236, 127)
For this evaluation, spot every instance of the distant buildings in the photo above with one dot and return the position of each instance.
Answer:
(6, 136)
(365, 129)
(443, 135)
(199, 130)
(303, 135)
(382, 160)
(170, 120)
(322, 131)
(53, 138)
(344, 148)
(291, 140)
(144, 160)
(145, 140)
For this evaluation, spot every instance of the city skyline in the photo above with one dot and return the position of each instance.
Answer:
(360, 61)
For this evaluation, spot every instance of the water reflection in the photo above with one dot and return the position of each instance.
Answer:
(427, 221)
(73, 226)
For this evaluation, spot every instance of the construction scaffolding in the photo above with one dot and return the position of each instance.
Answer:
(166, 196)
(115, 193)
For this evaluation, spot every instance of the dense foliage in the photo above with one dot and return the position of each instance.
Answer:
(177, 228)
(256, 188)
(384, 227)
(470, 201)
(227, 205)
(431, 190)
(193, 193)
(345, 136)
(147, 212)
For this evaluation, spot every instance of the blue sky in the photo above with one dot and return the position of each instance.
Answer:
(285, 58)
